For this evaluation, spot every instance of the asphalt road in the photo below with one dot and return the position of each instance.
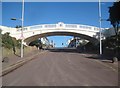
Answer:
(62, 69)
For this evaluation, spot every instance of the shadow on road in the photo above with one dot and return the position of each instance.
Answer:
(93, 57)
(102, 58)
(17, 55)
(69, 50)
(89, 55)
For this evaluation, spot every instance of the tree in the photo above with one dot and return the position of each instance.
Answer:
(114, 18)
(10, 42)
(18, 26)
(36, 43)
(7, 41)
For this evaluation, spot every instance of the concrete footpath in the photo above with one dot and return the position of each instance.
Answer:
(14, 61)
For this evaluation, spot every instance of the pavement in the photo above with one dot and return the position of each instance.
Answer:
(55, 68)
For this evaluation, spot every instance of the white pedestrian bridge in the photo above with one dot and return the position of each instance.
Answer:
(31, 33)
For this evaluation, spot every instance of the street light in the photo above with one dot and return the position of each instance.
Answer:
(100, 27)
(22, 28)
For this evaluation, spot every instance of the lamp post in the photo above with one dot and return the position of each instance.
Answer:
(100, 27)
(22, 28)
(22, 19)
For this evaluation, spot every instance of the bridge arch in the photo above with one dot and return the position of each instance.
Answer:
(30, 33)
(62, 33)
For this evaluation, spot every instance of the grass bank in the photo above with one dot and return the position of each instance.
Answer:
(9, 52)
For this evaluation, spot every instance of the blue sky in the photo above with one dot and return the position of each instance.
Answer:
(53, 12)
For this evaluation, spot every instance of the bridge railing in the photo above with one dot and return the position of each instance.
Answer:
(19, 29)
(50, 26)
(81, 27)
(71, 26)
(60, 26)
(36, 27)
